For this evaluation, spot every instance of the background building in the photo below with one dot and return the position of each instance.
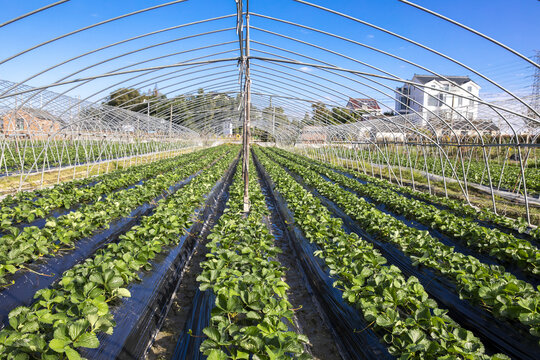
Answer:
(365, 106)
(30, 123)
(429, 101)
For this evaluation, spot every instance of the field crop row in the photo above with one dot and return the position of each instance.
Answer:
(252, 315)
(504, 247)
(19, 247)
(506, 177)
(487, 286)
(71, 314)
(35, 205)
(398, 308)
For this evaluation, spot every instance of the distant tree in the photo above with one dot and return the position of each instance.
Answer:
(320, 114)
(388, 113)
(343, 115)
(126, 98)
(307, 119)
(275, 112)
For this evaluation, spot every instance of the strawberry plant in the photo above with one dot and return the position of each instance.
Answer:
(38, 204)
(398, 309)
(71, 314)
(475, 170)
(18, 248)
(487, 286)
(504, 247)
(42, 153)
(251, 317)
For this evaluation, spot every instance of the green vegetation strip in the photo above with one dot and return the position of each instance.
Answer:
(34, 205)
(504, 247)
(18, 248)
(399, 309)
(36, 154)
(488, 286)
(459, 207)
(508, 177)
(252, 315)
(71, 314)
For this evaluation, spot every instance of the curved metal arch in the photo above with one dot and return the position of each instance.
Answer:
(90, 27)
(423, 47)
(397, 124)
(366, 46)
(33, 12)
(119, 43)
(146, 71)
(120, 69)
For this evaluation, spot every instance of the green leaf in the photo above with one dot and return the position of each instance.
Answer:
(87, 340)
(217, 355)
(21, 356)
(123, 292)
(30, 327)
(415, 335)
(58, 345)
(77, 328)
(115, 282)
(72, 354)
(212, 333)
(384, 321)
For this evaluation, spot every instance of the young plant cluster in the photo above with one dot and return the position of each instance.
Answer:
(489, 286)
(42, 153)
(71, 314)
(398, 309)
(504, 247)
(458, 207)
(35, 205)
(19, 247)
(475, 170)
(252, 316)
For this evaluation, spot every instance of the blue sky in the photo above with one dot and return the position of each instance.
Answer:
(514, 23)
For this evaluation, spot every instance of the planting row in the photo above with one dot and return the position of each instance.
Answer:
(398, 308)
(68, 317)
(36, 154)
(456, 206)
(487, 286)
(505, 176)
(504, 247)
(19, 247)
(35, 205)
(252, 315)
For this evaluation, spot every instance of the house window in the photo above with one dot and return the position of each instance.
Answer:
(446, 87)
(460, 101)
(433, 101)
(442, 98)
(19, 124)
(469, 88)
(404, 102)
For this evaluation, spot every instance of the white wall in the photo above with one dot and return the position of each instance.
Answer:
(455, 103)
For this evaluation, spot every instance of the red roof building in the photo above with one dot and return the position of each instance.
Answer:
(370, 106)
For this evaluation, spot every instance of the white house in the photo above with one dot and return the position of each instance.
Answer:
(453, 103)
(227, 128)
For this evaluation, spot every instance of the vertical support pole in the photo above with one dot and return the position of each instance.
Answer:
(525, 195)
(170, 125)
(247, 114)
(273, 120)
